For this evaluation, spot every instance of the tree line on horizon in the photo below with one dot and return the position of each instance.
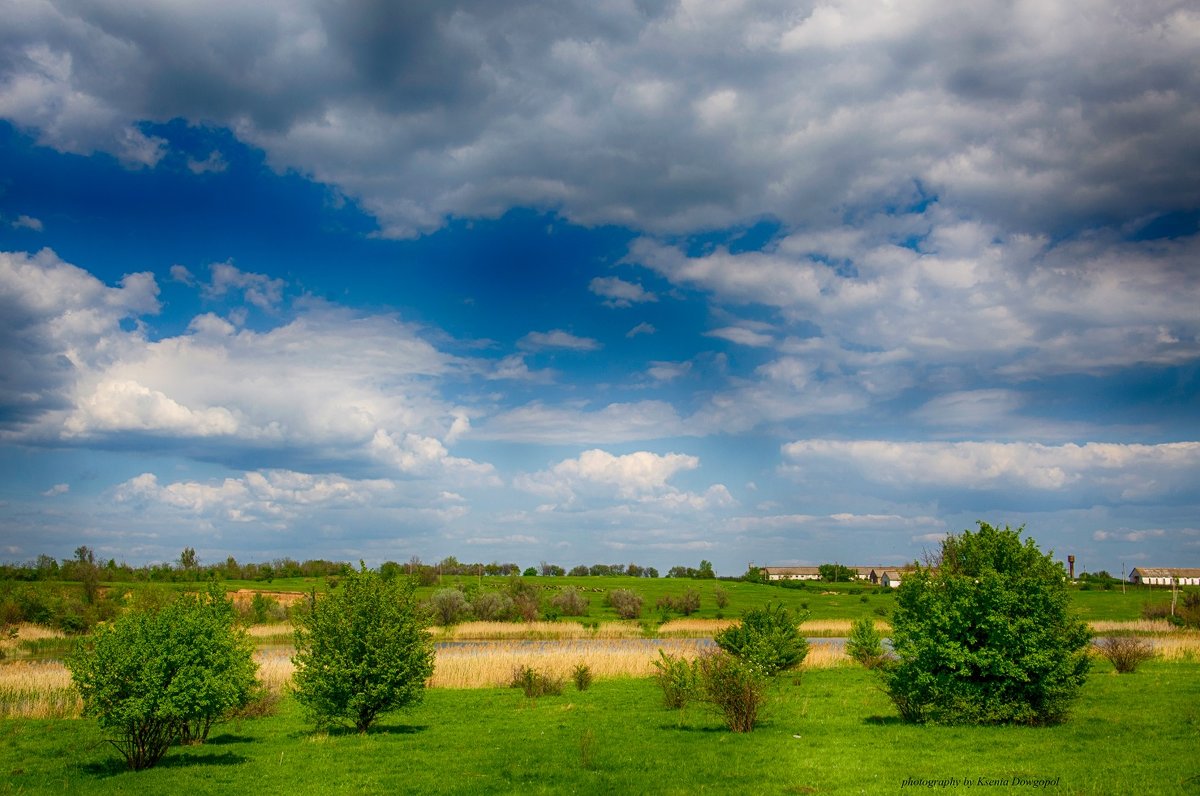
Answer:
(85, 568)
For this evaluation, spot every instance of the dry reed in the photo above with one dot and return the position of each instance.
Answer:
(491, 664)
(38, 690)
(694, 628)
(1133, 626)
(836, 628)
(536, 631)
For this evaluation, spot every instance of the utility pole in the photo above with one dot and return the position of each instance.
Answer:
(1122, 577)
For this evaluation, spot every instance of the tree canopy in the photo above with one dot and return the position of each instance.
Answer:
(985, 635)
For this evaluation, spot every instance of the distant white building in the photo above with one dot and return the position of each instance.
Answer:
(890, 578)
(791, 573)
(1165, 576)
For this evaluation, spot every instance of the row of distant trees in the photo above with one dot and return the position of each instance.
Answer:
(85, 568)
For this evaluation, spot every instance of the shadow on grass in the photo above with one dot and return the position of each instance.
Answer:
(342, 731)
(225, 739)
(883, 720)
(112, 766)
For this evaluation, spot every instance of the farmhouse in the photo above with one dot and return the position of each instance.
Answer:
(889, 578)
(1165, 576)
(791, 573)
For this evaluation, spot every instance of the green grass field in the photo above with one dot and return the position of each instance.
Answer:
(832, 733)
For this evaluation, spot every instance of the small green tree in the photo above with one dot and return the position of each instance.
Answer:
(768, 638)
(362, 651)
(986, 636)
(160, 674)
(865, 645)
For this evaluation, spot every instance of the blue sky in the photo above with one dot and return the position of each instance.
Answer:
(609, 282)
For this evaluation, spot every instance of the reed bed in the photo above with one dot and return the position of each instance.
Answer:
(1132, 627)
(536, 631)
(491, 664)
(18, 639)
(1180, 648)
(836, 628)
(271, 634)
(694, 628)
(826, 655)
(38, 690)
(275, 668)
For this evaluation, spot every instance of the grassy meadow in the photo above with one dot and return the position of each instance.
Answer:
(829, 731)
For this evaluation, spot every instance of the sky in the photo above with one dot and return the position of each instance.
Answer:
(605, 281)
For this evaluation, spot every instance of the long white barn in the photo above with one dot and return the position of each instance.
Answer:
(1165, 576)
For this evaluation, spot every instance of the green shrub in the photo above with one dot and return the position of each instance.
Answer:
(678, 678)
(768, 639)
(865, 645)
(449, 606)
(720, 597)
(155, 676)
(571, 602)
(362, 651)
(1125, 653)
(987, 637)
(535, 683)
(626, 603)
(733, 686)
(491, 605)
(582, 676)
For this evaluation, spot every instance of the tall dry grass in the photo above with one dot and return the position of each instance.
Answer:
(38, 690)
(694, 628)
(1133, 626)
(491, 664)
(837, 628)
(535, 631)
(13, 635)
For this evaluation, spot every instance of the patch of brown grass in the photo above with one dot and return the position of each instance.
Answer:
(535, 631)
(491, 664)
(38, 690)
(694, 628)
(1134, 627)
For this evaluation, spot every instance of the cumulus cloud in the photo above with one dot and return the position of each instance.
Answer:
(670, 117)
(557, 339)
(742, 336)
(619, 293)
(326, 385)
(262, 291)
(641, 477)
(1128, 472)
(56, 490)
(272, 496)
(965, 293)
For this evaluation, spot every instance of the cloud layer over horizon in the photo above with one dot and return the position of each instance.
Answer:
(753, 280)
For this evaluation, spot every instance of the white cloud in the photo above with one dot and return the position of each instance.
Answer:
(1128, 536)
(964, 293)
(641, 328)
(620, 293)
(262, 291)
(641, 478)
(27, 222)
(742, 336)
(213, 164)
(328, 385)
(56, 490)
(272, 496)
(557, 339)
(1123, 471)
(615, 422)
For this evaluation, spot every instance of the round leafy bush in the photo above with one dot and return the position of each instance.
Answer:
(986, 635)
(768, 639)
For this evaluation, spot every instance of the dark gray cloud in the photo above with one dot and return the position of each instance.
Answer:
(669, 117)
